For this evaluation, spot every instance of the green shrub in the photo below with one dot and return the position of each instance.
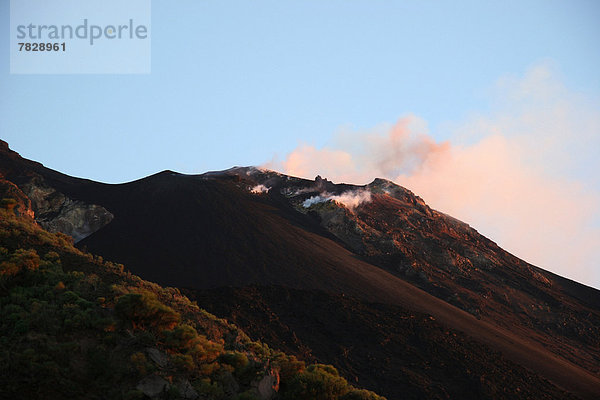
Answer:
(144, 310)
(289, 366)
(211, 390)
(140, 363)
(237, 360)
(8, 204)
(20, 260)
(181, 338)
(248, 395)
(183, 362)
(317, 382)
(134, 395)
(360, 394)
(185, 338)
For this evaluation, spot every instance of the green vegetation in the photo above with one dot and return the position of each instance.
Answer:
(75, 326)
(8, 203)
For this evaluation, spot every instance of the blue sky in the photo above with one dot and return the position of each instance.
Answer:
(248, 82)
(234, 83)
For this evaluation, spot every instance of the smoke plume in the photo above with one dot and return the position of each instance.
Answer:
(524, 175)
(350, 199)
(259, 189)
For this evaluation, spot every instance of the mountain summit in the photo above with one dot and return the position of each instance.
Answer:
(403, 299)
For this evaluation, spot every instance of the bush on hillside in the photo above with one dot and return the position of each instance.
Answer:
(144, 310)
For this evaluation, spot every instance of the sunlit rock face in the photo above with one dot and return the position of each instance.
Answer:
(10, 191)
(58, 213)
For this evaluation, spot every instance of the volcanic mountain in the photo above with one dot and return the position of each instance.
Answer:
(402, 299)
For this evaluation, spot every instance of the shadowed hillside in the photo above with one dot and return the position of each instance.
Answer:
(74, 326)
(248, 243)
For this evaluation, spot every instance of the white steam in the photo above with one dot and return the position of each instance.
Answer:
(259, 189)
(314, 200)
(350, 199)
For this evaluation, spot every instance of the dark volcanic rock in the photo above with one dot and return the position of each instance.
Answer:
(416, 357)
(53, 210)
(379, 247)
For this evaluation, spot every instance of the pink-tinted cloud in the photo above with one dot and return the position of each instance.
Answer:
(358, 157)
(525, 175)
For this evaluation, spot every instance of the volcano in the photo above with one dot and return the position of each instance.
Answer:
(404, 300)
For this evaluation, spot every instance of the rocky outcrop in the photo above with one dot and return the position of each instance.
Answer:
(59, 213)
(268, 386)
(33, 188)
(186, 390)
(153, 386)
(157, 387)
(159, 358)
